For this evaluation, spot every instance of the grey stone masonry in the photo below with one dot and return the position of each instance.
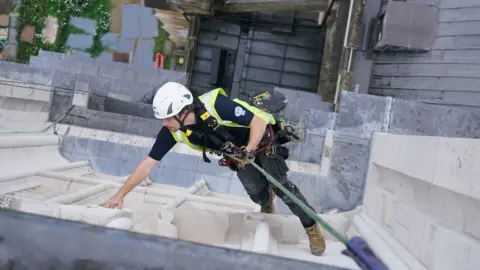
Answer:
(130, 82)
(312, 118)
(360, 115)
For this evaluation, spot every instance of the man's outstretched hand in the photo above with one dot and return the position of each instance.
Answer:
(115, 202)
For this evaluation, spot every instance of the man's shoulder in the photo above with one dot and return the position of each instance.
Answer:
(164, 133)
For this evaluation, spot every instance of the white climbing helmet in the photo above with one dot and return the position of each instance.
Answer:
(170, 99)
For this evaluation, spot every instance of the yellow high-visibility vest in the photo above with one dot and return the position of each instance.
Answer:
(208, 99)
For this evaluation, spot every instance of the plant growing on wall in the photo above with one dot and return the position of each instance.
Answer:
(35, 12)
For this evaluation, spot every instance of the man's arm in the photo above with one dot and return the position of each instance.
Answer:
(257, 130)
(163, 144)
(232, 111)
(138, 176)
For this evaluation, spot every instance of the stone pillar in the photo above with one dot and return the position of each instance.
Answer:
(332, 52)
(261, 238)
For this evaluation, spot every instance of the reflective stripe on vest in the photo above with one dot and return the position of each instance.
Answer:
(208, 99)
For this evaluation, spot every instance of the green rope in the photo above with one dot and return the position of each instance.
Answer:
(304, 207)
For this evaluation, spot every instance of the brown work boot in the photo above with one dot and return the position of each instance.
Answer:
(317, 241)
(270, 207)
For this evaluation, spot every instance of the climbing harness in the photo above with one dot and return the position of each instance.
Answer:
(279, 133)
(357, 248)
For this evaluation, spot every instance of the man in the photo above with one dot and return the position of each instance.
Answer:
(213, 122)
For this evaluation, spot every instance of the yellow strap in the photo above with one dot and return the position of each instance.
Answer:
(205, 115)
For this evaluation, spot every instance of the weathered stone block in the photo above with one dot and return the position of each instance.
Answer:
(414, 118)
(81, 93)
(349, 166)
(61, 103)
(150, 127)
(63, 80)
(311, 150)
(106, 165)
(212, 168)
(76, 145)
(179, 161)
(176, 177)
(106, 149)
(99, 86)
(108, 121)
(215, 183)
(361, 114)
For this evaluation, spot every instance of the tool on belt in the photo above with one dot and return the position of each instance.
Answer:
(357, 248)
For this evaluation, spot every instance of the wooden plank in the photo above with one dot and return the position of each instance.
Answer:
(307, 68)
(262, 75)
(425, 2)
(459, 14)
(266, 48)
(204, 53)
(457, 43)
(459, 28)
(462, 98)
(427, 83)
(304, 54)
(223, 27)
(261, 61)
(202, 66)
(301, 82)
(273, 5)
(408, 94)
(265, 34)
(433, 70)
(444, 4)
(214, 39)
(434, 56)
(462, 56)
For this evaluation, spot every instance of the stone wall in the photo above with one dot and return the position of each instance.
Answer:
(360, 115)
(424, 193)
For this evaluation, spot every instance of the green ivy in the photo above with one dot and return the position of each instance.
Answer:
(35, 13)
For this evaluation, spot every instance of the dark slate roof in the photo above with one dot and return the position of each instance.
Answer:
(448, 73)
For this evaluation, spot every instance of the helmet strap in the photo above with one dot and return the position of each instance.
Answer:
(187, 110)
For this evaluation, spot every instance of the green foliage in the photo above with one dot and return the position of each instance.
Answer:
(159, 45)
(35, 12)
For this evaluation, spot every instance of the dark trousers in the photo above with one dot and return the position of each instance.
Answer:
(256, 184)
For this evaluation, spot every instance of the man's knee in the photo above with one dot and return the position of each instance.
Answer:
(292, 188)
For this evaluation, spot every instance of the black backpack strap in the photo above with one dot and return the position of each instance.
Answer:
(207, 131)
(206, 117)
